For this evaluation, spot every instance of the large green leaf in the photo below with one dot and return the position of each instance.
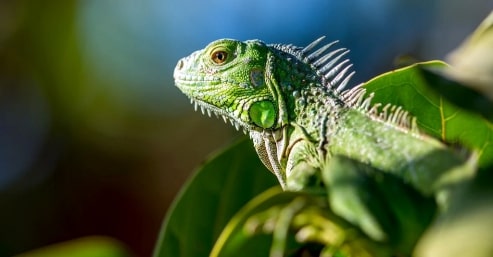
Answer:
(210, 198)
(435, 115)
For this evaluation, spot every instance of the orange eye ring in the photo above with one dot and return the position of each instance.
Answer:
(219, 57)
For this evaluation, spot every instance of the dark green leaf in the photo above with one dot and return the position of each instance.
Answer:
(211, 197)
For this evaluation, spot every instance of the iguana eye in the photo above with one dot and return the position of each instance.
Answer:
(219, 57)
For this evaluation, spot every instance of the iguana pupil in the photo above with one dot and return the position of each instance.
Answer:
(219, 57)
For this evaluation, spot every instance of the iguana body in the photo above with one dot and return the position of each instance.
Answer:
(292, 103)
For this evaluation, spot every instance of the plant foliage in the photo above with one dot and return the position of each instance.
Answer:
(226, 209)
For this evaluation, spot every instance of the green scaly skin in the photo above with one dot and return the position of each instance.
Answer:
(297, 118)
(292, 103)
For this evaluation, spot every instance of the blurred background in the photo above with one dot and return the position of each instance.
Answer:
(94, 137)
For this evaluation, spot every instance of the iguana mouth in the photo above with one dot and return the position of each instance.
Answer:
(211, 109)
(181, 78)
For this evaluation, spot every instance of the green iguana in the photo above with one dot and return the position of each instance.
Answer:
(294, 105)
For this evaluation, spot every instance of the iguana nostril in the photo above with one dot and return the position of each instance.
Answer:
(179, 65)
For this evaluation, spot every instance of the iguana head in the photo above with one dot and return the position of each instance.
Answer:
(260, 87)
(227, 78)
(267, 90)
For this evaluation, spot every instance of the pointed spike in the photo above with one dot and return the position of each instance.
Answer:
(360, 99)
(202, 109)
(332, 62)
(383, 115)
(399, 118)
(414, 125)
(405, 119)
(327, 56)
(343, 84)
(312, 45)
(225, 119)
(209, 112)
(237, 126)
(319, 51)
(195, 105)
(397, 115)
(374, 109)
(191, 100)
(351, 96)
(365, 105)
(391, 114)
(232, 122)
(340, 75)
(335, 70)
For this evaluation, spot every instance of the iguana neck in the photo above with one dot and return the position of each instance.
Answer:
(308, 101)
(315, 111)
(309, 105)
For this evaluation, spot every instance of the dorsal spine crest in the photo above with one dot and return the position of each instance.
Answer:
(334, 72)
(329, 66)
(394, 115)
